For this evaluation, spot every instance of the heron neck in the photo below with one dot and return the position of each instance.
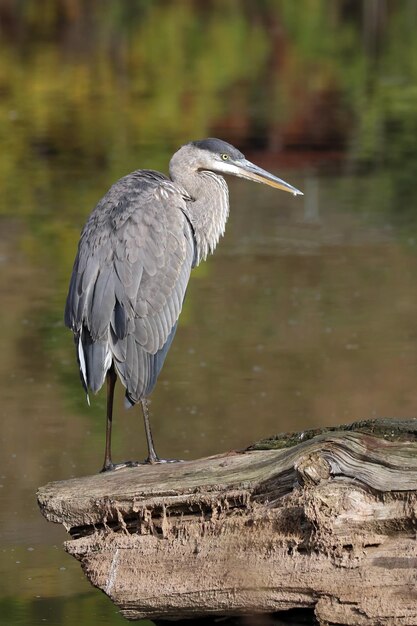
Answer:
(207, 210)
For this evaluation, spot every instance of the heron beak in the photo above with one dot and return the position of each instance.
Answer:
(250, 171)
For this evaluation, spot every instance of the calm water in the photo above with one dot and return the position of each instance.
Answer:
(305, 316)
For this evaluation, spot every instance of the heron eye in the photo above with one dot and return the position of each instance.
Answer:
(225, 157)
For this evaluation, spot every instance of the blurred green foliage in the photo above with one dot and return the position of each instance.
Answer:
(91, 90)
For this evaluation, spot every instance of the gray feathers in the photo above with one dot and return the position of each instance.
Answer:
(128, 282)
(134, 261)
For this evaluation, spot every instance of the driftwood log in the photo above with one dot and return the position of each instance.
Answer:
(324, 520)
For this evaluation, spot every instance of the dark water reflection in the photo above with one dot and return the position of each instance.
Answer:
(304, 317)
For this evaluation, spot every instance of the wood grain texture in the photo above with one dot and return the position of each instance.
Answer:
(329, 523)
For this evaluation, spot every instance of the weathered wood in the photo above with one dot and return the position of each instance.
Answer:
(329, 523)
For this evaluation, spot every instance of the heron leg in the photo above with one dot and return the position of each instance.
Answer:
(152, 456)
(111, 378)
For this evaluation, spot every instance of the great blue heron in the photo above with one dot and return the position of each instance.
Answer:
(133, 264)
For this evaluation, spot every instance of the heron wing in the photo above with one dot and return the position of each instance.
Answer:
(129, 280)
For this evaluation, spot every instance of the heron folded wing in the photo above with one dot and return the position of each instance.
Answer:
(103, 304)
(130, 276)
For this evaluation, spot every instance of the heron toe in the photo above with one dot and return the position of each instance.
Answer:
(110, 467)
(157, 461)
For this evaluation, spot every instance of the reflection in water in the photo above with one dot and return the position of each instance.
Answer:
(306, 314)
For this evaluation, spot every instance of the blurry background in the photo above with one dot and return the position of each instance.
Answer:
(305, 316)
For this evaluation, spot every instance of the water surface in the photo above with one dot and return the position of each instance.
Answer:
(304, 317)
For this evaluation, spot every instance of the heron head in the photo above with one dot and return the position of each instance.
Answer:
(221, 157)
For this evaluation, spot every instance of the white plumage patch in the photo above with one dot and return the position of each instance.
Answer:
(83, 367)
(108, 360)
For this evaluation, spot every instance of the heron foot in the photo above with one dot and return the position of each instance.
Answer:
(111, 467)
(157, 461)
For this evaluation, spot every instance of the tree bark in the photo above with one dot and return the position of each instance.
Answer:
(325, 521)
